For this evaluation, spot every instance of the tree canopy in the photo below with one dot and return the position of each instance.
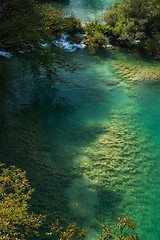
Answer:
(28, 30)
(16, 222)
(136, 21)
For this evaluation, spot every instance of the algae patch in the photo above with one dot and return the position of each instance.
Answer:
(118, 163)
(134, 73)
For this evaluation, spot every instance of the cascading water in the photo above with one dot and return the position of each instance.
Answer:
(90, 146)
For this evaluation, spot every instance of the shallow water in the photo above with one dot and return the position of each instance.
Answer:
(90, 146)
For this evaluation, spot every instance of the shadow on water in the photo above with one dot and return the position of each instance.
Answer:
(109, 202)
(91, 205)
(23, 145)
(40, 132)
(49, 170)
(84, 144)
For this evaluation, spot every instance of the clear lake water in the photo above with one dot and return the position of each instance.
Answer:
(90, 145)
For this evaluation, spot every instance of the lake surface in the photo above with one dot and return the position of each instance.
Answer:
(91, 145)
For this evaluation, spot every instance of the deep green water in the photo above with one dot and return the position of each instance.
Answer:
(91, 146)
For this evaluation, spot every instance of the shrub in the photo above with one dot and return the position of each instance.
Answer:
(95, 41)
(72, 25)
(136, 22)
(105, 29)
(96, 35)
(70, 233)
(16, 222)
(124, 230)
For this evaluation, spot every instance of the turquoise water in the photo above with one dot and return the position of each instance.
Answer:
(88, 10)
(90, 146)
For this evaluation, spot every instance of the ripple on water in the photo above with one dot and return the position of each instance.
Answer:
(119, 165)
(90, 148)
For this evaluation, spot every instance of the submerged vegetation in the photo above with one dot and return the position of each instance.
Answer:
(135, 73)
(121, 151)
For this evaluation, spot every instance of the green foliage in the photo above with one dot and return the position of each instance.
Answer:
(134, 20)
(96, 35)
(72, 25)
(152, 46)
(26, 27)
(71, 232)
(16, 222)
(124, 229)
(96, 41)
(93, 26)
(52, 19)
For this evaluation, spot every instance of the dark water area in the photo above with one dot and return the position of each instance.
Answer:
(90, 145)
